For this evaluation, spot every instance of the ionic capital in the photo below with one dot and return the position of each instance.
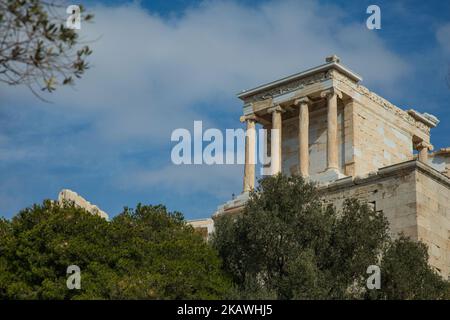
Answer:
(250, 117)
(330, 92)
(276, 108)
(424, 145)
(302, 100)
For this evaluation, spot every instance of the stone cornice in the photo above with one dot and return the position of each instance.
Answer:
(393, 109)
(288, 87)
(296, 81)
(389, 171)
(236, 206)
(428, 119)
(337, 75)
(388, 106)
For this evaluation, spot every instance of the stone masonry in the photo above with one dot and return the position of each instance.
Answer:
(79, 201)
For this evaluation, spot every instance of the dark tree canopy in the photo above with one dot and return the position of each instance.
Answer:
(288, 245)
(145, 253)
(285, 245)
(36, 48)
(406, 274)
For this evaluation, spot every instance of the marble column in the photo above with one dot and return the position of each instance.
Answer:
(303, 136)
(332, 142)
(250, 154)
(275, 145)
(264, 148)
(423, 155)
(423, 148)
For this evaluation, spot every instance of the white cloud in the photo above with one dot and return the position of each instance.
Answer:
(148, 72)
(151, 75)
(443, 37)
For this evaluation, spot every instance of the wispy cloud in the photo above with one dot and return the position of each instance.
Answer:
(443, 37)
(151, 75)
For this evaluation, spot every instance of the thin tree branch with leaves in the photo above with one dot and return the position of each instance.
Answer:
(36, 48)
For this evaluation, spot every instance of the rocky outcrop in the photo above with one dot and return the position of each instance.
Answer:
(79, 201)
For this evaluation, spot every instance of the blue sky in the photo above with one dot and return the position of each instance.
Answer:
(160, 65)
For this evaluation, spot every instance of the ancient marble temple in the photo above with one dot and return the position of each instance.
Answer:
(353, 143)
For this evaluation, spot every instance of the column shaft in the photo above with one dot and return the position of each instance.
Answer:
(423, 152)
(275, 145)
(264, 149)
(250, 156)
(423, 155)
(332, 147)
(303, 138)
(423, 147)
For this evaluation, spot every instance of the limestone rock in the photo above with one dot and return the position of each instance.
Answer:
(79, 201)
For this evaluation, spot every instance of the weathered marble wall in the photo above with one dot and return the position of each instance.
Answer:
(378, 142)
(394, 195)
(433, 219)
(317, 140)
(414, 198)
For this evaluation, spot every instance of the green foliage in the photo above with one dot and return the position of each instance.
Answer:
(176, 261)
(406, 274)
(146, 253)
(287, 244)
(37, 49)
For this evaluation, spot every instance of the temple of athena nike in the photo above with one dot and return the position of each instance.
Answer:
(353, 143)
